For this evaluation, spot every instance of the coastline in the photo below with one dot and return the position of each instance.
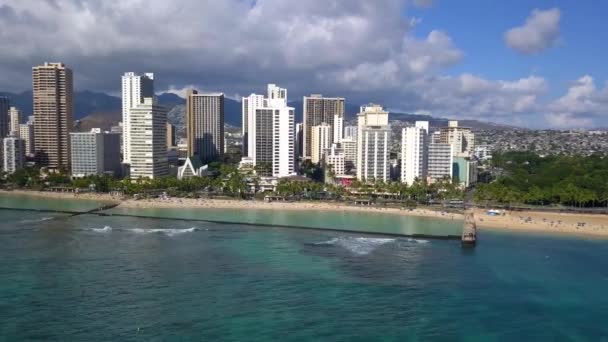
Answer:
(587, 225)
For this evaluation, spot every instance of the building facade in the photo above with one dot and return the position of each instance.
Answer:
(148, 133)
(135, 88)
(349, 148)
(13, 154)
(414, 152)
(270, 132)
(95, 153)
(170, 135)
(373, 143)
(4, 116)
(53, 112)
(205, 125)
(14, 115)
(464, 171)
(462, 139)
(334, 156)
(318, 110)
(320, 141)
(440, 161)
(26, 132)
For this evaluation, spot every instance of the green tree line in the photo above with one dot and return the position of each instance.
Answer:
(526, 178)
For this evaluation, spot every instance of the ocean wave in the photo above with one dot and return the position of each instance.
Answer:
(417, 240)
(165, 231)
(357, 245)
(105, 229)
(42, 219)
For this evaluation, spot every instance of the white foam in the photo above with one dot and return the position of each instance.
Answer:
(166, 231)
(105, 229)
(357, 245)
(418, 240)
(42, 219)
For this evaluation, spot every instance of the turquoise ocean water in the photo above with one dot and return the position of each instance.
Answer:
(91, 278)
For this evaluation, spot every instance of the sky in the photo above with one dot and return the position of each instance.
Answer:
(529, 63)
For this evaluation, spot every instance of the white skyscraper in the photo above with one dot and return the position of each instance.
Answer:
(269, 132)
(148, 131)
(14, 115)
(13, 152)
(134, 89)
(414, 152)
(338, 133)
(440, 161)
(373, 140)
(320, 141)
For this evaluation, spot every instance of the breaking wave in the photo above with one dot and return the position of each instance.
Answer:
(417, 240)
(356, 245)
(105, 229)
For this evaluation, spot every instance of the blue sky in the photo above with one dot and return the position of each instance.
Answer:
(478, 26)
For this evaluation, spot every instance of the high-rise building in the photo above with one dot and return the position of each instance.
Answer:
(249, 106)
(95, 153)
(440, 161)
(148, 140)
(270, 132)
(53, 112)
(350, 132)
(4, 116)
(414, 152)
(299, 138)
(13, 154)
(205, 125)
(26, 132)
(317, 110)
(14, 115)
(135, 88)
(321, 136)
(373, 141)
(170, 135)
(462, 139)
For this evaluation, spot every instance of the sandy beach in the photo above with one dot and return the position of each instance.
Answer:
(548, 222)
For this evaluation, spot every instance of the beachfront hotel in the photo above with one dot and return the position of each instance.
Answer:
(462, 139)
(53, 112)
(269, 132)
(95, 153)
(373, 141)
(205, 125)
(319, 110)
(14, 116)
(135, 88)
(414, 152)
(148, 140)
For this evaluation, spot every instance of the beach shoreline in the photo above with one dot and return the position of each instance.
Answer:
(587, 225)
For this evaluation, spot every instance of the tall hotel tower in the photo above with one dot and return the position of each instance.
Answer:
(322, 110)
(134, 89)
(269, 132)
(53, 112)
(205, 125)
(373, 144)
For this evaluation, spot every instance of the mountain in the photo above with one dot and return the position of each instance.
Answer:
(102, 110)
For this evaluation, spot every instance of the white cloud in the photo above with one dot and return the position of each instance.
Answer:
(540, 32)
(362, 50)
(583, 105)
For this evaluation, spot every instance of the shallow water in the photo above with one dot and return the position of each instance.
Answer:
(90, 278)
